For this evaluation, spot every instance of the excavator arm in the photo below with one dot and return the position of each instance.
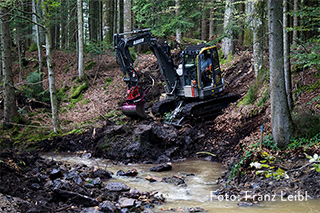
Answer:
(134, 105)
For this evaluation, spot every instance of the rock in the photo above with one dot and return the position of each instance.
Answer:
(132, 173)
(90, 210)
(73, 175)
(114, 130)
(97, 182)
(101, 173)
(143, 133)
(35, 186)
(56, 173)
(108, 207)
(76, 198)
(152, 178)
(126, 202)
(244, 204)
(162, 159)
(161, 168)
(135, 191)
(117, 187)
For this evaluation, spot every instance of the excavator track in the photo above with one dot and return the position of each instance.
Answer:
(208, 108)
(199, 109)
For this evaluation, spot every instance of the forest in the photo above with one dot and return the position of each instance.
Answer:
(62, 90)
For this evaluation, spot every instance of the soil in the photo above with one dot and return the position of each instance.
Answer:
(24, 177)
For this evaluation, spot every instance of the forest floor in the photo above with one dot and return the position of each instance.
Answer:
(93, 123)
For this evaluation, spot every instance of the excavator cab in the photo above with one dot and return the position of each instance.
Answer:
(201, 71)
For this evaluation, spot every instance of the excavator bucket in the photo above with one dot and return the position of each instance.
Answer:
(134, 109)
(134, 105)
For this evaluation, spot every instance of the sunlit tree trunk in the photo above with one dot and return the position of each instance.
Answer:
(227, 41)
(52, 86)
(257, 29)
(37, 33)
(127, 15)
(280, 115)
(80, 41)
(108, 21)
(178, 32)
(10, 109)
(286, 56)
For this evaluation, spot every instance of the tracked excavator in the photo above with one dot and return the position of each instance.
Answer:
(193, 88)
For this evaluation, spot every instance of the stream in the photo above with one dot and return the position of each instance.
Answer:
(200, 177)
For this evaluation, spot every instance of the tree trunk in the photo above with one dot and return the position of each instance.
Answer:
(258, 6)
(211, 22)
(52, 86)
(64, 17)
(37, 33)
(93, 19)
(241, 25)
(127, 15)
(80, 41)
(227, 41)
(286, 56)
(204, 22)
(108, 21)
(295, 22)
(10, 113)
(280, 115)
(178, 32)
(120, 16)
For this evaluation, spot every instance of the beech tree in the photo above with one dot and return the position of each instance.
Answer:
(80, 41)
(286, 56)
(257, 29)
(52, 86)
(10, 109)
(280, 114)
(227, 41)
(127, 15)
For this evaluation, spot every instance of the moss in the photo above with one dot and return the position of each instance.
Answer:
(75, 131)
(85, 102)
(108, 81)
(75, 92)
(62, 95)
(64, 110)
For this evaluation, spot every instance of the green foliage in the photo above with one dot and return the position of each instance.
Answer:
(97, 47)
(268, 169)
(315, 160)
(108, 81)
(306, 124)
(304, 142)
(33, 47)
(34, 89)
(161, 16)
(306, 53)
(90, 65)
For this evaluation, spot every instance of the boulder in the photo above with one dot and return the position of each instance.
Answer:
(161, 168)
(117, 187)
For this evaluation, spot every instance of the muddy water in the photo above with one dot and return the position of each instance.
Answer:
(200, 177)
